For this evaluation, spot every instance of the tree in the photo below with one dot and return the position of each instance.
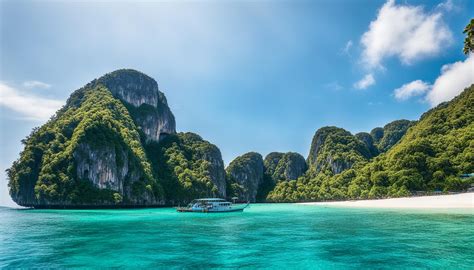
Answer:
(117, 198)
(469, 40)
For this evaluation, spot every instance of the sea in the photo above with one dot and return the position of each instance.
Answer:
(264, 236)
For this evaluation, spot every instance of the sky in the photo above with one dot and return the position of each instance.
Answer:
(245, 75)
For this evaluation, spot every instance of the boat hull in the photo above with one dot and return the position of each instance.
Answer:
(212, 205)
(208, 211)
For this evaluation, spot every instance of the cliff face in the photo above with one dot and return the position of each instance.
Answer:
(109, 168)
(188, 167)
(284, 166)
(147, 104)
(392, 133)
(88, 154)
(114, 144)
(376, 134)
(429, 156)
(216, 168)
(367, 139)
(245, 174)
(100, 166)
(92, 153)
(335, 150)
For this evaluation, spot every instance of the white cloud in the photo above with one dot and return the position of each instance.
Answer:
(452, 81)
(335, 86)
(29, 106)
(414, 88)
(447, 5)
(347, 47)
(404, 31)
(365, 82)
(370, 103)
(36, 84)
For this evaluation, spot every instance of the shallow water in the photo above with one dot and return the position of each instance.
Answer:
(278, 236)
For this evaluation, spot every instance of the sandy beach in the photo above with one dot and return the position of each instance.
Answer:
(464, 200)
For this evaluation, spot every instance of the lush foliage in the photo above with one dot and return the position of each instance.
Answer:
(368, 140)
(245, 176)
(469, 40)
(94, 151)
(430, 156)
(334, 149)
(182, 163)
(46, 169)
(284, 166)
(391, 134)
(396, 160)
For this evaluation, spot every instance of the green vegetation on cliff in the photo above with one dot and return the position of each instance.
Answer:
(188, 167)
(245, 175)
(430, 156)
(46, 170)
(114, 143)
(251, 178)
(284, 166)
(368, 140)
(391, 134)
(334, 150)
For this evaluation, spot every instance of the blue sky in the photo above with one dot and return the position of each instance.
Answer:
(247, 76)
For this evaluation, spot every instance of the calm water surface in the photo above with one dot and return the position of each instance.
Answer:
(277, 236)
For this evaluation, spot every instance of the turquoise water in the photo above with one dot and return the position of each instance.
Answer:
(278, 236)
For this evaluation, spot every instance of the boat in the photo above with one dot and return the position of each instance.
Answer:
(212, 205)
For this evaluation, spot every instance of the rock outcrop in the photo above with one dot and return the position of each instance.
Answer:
(203, 150)
(216, 168)
(114, 144)
(391, 134)
(147, 104)
(284, 166)
(334, 150)
(99, 165)
(367, 139)
(92, 153)
(431, 155)
(245, 174)
(88, 155)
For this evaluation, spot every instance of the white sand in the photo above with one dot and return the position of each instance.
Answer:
(464, 200)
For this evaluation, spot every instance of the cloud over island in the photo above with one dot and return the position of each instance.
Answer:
(27, 105)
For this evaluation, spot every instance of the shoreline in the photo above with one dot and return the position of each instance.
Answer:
(453, 201)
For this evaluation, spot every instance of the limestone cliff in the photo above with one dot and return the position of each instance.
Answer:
(189, 167)
(93, 151)
(216, 169)
(368, 140)
(284, 166)
(244, 175)
(99, 165)
(88, 154)
(376, 134)
(146, 103)
(390, 134)
(334, 150)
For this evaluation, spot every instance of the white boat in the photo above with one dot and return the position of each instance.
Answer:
(212, 205)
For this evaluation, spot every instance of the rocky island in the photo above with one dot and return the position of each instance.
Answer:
(114, 144)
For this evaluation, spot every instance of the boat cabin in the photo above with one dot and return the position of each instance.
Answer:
(211, 205)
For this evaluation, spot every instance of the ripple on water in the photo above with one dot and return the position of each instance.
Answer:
(263, 236)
